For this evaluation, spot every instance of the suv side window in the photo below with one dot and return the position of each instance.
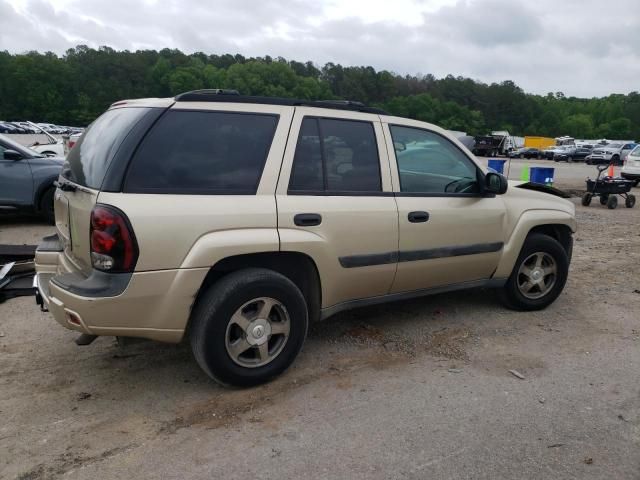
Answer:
(429, 163)
(196, 152)
(335, 156)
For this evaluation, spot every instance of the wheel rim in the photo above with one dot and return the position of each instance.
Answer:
(257, 332)
(537, 275)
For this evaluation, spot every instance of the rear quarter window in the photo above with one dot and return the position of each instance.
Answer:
(88, 162)
(196, 152)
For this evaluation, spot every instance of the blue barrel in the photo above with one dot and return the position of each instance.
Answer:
(496, 165)
(542, 175)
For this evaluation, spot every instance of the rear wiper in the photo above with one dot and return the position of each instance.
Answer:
(65, 186)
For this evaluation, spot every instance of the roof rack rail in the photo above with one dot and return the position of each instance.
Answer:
(205, 92)
(233, 96)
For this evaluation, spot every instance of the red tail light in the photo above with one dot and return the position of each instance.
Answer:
(113, 244)
(71, 144)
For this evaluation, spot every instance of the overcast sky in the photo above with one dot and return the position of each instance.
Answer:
(580, 47)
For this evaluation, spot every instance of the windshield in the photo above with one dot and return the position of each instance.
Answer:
(635, 152)
(13, 145)
(89, 159)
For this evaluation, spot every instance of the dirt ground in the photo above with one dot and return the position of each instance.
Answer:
(409, 390)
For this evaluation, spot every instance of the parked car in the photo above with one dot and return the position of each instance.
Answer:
(53, 148)
(6, 127)
(631, 167)
(549, 153)
(27, 179)
(612, 153)
(572, 154)
(526, 152)
(238, 220)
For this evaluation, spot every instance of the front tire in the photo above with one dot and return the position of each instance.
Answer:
(248, 327)
(630, 201)
(612, 202)
(538, 276)
(586, 199)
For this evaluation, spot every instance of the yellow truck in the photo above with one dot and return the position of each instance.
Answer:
(539, 142)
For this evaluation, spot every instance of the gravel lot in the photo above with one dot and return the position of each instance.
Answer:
(414, 390)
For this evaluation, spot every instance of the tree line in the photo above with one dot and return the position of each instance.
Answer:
(73, 89)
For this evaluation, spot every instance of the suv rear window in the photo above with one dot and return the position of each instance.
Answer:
(88, 161)
(195, 152)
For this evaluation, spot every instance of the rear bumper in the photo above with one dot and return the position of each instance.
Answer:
(630, 175)
(154, 305)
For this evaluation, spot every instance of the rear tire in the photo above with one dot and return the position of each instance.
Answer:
(630, 201)
(553, 270)
(603, 199)
(586, 199)
(46, 206)
(215, 330)
(612, 202)
(615, 159)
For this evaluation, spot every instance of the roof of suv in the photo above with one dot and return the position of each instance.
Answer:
(232, 96)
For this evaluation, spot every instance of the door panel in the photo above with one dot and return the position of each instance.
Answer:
(16, 182)
(448, 231)
(461, 241)
(355, 244)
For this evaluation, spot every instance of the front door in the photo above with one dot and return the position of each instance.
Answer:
(16, 181)
(450, 232)
(335, 202)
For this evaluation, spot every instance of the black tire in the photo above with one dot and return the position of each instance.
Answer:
(615, 160)
(536, 242)
(612, 202)
(213, 310)
(603, 199)
(586, 199)
(630, 201)
(46, 206)
(569, 159)
(521, 155)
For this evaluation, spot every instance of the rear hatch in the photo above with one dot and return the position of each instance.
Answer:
(81, 179)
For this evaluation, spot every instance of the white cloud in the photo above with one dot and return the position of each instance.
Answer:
(575, 46)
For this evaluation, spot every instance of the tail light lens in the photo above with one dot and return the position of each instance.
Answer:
(113, 244)
(71, 144)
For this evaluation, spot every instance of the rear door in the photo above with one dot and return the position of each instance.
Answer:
(335, 202)
(450, 232)
(83, 173)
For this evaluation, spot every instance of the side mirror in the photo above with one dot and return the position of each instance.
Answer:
(495, 183)
(12, 155)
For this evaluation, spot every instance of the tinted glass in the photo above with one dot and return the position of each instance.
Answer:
(307, 173)
(203, 152)
(429, 163)
(350, 155)
(88, 161)
(337, 156)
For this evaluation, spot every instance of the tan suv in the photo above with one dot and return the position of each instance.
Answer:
(236, 220)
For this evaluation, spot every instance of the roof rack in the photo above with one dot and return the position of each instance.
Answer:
(233, 96)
